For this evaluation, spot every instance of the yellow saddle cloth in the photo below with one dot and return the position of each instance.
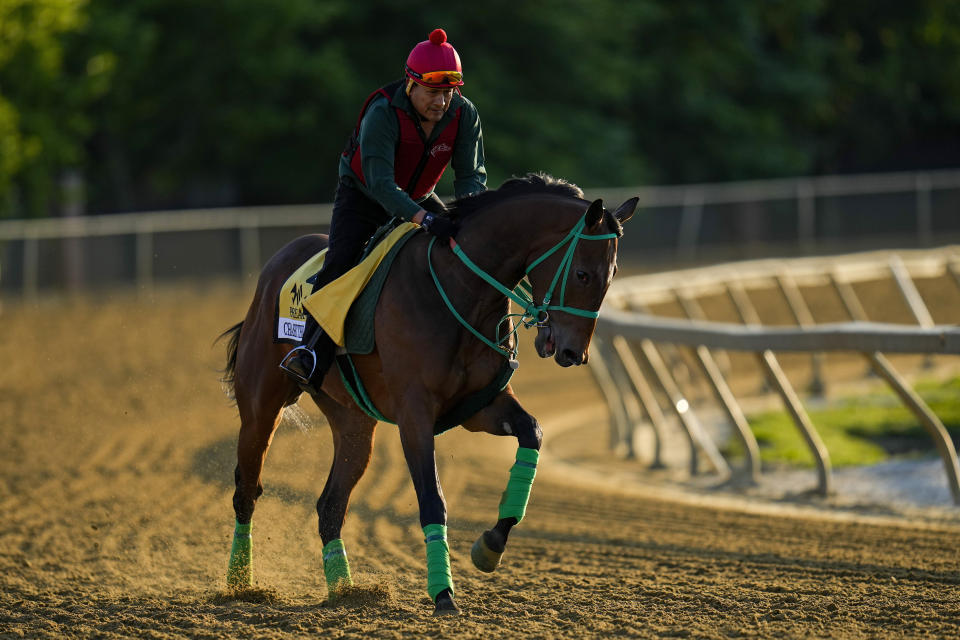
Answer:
(330, 305)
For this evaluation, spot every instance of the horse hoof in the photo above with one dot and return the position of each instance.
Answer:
(445, 605)
(484, 558)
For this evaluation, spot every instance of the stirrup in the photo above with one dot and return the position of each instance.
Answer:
(296, 375)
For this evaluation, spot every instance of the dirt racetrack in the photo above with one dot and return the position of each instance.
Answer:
(115, 492)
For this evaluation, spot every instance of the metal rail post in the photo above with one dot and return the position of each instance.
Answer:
(144, 258)
(806, 215)
(924, 210)
(852, 304)
(694, 311)
(621, 424)
(884, 368)
(249, 251)
(801, 313)
(31, 267)
(908, 289)
(927, 418)
(648, 399)
(698, 439)
(751, 468)
(790, 398)
(690, 220)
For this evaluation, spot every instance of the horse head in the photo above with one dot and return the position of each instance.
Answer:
(573, 281)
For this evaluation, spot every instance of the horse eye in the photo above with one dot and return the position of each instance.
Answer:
(583, 277)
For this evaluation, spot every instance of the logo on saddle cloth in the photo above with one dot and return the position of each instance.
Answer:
(297, 293)
(290, 314)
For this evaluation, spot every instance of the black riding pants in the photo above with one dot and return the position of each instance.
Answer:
(355, 219)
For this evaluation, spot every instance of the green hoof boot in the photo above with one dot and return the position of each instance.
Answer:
(239, 576)
(484, 558)
(240, 567)
(336, 568)
(445, 606)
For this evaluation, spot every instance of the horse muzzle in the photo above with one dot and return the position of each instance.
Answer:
(549, 342)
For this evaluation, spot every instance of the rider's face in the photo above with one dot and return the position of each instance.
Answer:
(429, 102)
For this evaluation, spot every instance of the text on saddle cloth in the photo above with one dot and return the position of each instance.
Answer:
(290, 316)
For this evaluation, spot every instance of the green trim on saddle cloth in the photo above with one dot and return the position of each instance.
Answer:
(463, 410)
(289, 316)
(513, 502)
(336, 567)
(438, 560)
(239, 570)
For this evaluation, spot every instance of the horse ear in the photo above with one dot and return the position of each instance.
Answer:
(625, 211)
(594, 213)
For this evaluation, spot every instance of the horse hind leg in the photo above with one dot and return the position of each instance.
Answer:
(260, 407)
(353, 433)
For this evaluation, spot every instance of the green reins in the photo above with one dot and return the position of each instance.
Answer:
(522, 294)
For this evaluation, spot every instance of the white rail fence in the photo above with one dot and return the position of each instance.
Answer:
(742, 218)
(636, 353)
(144, 229)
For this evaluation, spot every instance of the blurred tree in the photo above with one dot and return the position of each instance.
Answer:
(43, 123)
(217, 103)
(895, 86)
(174, 103)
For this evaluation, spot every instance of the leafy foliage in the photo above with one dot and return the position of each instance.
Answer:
(42, 119)
(172, 103)
(862, 430)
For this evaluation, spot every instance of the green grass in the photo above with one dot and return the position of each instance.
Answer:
(859, 430)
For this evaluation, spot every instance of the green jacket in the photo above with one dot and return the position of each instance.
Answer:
(379, 134)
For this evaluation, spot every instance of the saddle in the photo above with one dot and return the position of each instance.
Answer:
(344, 308)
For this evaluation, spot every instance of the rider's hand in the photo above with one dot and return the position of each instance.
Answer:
(440, 227)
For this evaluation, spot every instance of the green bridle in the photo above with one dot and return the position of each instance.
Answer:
(533, 314)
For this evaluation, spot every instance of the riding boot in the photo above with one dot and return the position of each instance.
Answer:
(308, 363)
(325, 350)
(301, 362)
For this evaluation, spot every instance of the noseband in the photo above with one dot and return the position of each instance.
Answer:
(533, 314)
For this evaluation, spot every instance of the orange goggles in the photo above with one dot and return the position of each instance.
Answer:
(445, 78)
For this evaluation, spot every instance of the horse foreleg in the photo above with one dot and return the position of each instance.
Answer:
(505, 417)
(416, 436)
(353, 434)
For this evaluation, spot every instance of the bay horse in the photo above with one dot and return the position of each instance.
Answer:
(437, 325)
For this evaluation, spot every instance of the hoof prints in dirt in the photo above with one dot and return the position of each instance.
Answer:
(119, 525)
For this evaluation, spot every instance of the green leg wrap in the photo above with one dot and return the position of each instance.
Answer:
(513, 503)
(438, 560)
(239, 571)
(336, 567)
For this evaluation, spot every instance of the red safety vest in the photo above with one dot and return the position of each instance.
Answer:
(416, 168)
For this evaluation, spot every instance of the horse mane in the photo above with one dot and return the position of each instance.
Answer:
(532, 183)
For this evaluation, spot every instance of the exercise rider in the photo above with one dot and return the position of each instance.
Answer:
(407, 134)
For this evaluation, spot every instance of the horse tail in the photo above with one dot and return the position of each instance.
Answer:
(230, 372)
